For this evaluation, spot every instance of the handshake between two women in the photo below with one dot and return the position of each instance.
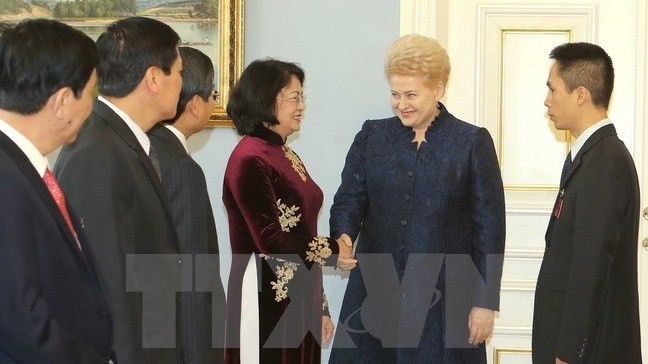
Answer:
(346, 260)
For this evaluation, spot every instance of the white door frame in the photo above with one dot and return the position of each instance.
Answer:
(641, 158)
(427, 17)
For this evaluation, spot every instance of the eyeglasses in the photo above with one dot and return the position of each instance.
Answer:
(295, 100)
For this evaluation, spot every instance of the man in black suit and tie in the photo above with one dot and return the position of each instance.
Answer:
(192, 212)
(586, 302)
(114, 185)
(52, 306)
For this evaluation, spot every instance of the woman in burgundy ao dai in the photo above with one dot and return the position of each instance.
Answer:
(272, 205)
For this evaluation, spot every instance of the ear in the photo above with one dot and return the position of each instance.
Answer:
(439, 89)
(152, 79)
(194, 104)
(60, 101)
(582, 95)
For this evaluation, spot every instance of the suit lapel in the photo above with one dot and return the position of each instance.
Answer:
(600, 134)
(606, 131)
(27, 169)
(121, 129)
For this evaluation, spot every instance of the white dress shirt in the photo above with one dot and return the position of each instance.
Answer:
(141, 136)
(179, 135)
(580, 141)
(26, 146)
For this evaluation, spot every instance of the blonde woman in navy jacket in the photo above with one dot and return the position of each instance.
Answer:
(422, 193)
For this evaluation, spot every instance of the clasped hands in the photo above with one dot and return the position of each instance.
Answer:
(346, 261)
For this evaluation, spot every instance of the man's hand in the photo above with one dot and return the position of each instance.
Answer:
(480, 324)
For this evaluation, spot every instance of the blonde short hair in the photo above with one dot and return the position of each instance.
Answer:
(417, 55)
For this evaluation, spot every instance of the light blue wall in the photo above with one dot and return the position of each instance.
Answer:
(341, 45)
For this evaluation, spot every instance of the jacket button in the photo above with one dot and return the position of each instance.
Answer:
(403, 222)
(408, 197)
(410, 173)
(102, 313)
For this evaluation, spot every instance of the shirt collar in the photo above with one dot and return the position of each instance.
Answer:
(178, 134)
(38, 160)
(141, 136)
(580, 141)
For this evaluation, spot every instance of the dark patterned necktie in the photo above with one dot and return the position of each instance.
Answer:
(154, 160)
(568, 162)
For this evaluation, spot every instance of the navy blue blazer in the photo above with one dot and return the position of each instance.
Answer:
(412, 210)
(52, 307)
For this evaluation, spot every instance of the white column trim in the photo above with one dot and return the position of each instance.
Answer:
(641, 156)
(417, 16)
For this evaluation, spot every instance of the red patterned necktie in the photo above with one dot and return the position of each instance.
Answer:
(57, 194)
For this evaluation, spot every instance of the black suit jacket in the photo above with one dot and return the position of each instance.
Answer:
(120, 199)
(202, 314)
(52, 308)
(586, 305)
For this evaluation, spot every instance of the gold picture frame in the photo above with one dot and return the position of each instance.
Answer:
(499, 352)
(220, 36)
(230, 58)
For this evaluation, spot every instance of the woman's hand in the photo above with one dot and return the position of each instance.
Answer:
(327, 328)
(480, 324)
(345, 258)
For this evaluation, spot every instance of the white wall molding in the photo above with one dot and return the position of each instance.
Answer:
(505, 330)
(522, 252)
(518, 285)
(418, 16)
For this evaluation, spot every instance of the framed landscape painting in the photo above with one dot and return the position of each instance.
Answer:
(213, 26)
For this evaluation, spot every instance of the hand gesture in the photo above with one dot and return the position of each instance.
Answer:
(345, 258)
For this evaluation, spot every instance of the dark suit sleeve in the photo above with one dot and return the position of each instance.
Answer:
(103, 202)
(28, 332)
(488, 216)
(350, 201)
(602, 202)
(193, 218)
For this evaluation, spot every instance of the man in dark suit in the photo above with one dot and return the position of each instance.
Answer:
(52, 307)
(192, 213)
(586, 302)
(117, 191)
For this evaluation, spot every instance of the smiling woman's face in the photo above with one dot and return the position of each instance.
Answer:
(290, 108)
(413, 101)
